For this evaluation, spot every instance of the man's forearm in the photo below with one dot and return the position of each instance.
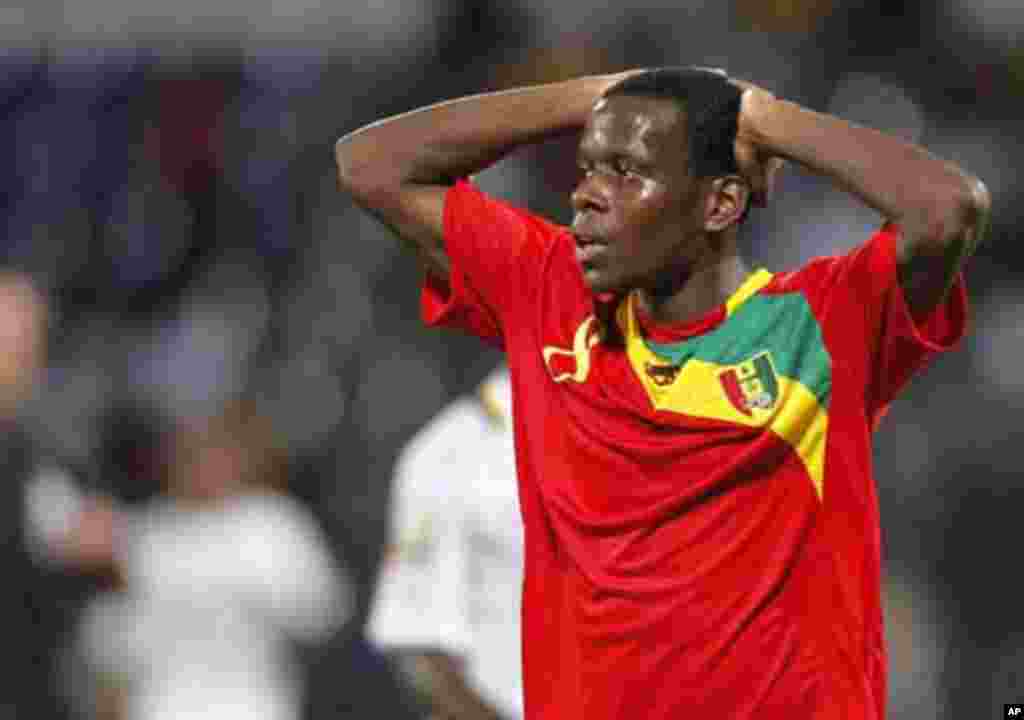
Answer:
(439, 143)
(931, 198)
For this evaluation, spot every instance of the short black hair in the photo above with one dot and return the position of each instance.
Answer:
(711, 103)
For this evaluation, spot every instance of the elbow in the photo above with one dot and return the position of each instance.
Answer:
(974, 207)
(978, 201)
(971, 205)
(353, 177)
(360, 174)
(371, 178)
(962, 213)
(342, 161)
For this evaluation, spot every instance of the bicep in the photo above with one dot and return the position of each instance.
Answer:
(416, 214)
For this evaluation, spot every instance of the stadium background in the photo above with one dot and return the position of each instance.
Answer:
(166, 174)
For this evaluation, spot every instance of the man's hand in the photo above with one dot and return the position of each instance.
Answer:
(941, 210)
(758, 166)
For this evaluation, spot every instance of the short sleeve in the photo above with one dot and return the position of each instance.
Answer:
(866, 313)
(495, 252)
(420, 599)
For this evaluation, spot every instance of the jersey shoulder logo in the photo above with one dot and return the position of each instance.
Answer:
(557, 360)
(752, 384)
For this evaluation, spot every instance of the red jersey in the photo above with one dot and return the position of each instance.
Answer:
(702, 528)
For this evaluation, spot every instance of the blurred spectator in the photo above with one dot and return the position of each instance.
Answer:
(449, 595)
(221, 580)
(38, 604)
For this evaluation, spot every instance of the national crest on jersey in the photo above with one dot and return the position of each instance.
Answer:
(751, 385)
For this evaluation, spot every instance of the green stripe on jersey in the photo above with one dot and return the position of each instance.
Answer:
(781, 324)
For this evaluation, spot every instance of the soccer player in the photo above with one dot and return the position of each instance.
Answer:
(448, 598)
(693, 439)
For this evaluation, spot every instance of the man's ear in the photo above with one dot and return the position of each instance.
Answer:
(726, 202)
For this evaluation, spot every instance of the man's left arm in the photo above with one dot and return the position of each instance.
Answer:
(941, 210)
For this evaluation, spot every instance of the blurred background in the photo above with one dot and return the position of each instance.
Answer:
(211, 358)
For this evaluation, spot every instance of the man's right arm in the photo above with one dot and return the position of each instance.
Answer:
(399, 168)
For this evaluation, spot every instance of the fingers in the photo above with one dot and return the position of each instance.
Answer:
(766, 179)
(752, 171)
(760, 171)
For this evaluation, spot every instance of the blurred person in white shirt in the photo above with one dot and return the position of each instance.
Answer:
(448, 597)
(223, 579)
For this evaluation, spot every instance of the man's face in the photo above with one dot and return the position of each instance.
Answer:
(637, 207)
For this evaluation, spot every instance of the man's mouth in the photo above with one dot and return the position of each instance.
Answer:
(586, 239)
(587, 253)
(589, 249)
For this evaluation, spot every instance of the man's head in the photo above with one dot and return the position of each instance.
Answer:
(225, 454)
(660, 182)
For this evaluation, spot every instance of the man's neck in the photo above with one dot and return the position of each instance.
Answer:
(705, 288)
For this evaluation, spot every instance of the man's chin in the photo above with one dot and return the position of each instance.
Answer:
(598, 282)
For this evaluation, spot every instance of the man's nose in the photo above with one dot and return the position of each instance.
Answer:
(588, 195)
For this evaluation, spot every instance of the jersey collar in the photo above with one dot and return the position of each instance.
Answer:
(647, 357)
